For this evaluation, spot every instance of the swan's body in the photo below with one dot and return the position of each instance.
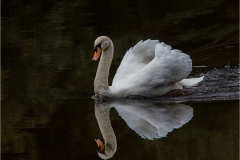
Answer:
(149, 119)
(148, 69)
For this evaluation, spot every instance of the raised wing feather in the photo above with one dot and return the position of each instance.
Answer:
(173, 65)
(168, 67)
(135, 59)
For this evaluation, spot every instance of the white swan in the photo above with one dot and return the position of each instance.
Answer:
(149, 119)
(148, 69)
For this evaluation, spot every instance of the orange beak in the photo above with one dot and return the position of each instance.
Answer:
(100, 145)
(97, 54)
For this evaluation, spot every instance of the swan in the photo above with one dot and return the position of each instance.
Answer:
(149, 69)
(149, 119)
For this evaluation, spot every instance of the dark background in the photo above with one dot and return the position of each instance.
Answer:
(47, 74)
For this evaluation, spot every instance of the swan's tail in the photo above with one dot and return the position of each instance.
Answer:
(190, 82)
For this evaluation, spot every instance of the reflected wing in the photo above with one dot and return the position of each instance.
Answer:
(135, 59)
(153, 121)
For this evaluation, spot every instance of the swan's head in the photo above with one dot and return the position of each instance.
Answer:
(104, 152)
(100, 44)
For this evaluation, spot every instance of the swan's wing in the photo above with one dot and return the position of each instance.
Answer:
(168, 67)
(135, 59)
(173, 65)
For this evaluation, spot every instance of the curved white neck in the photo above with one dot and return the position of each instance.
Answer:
(102, 115)
(101, 84)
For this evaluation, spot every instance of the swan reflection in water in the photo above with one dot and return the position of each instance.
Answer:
(149, 119)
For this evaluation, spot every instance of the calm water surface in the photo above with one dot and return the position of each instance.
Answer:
(47, 79)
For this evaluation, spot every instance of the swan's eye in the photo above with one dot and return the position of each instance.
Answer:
(97, 46)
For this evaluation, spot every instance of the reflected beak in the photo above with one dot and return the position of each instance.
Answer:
(100, 145)
(97, 54)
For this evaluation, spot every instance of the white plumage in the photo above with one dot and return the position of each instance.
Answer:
(151, 120)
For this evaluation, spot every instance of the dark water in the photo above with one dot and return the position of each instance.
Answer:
(47, 76)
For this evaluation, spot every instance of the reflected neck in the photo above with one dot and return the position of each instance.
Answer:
(101, 84)
(102, 116)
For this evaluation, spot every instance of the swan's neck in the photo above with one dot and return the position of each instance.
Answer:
(102, 115)
(101, 84)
